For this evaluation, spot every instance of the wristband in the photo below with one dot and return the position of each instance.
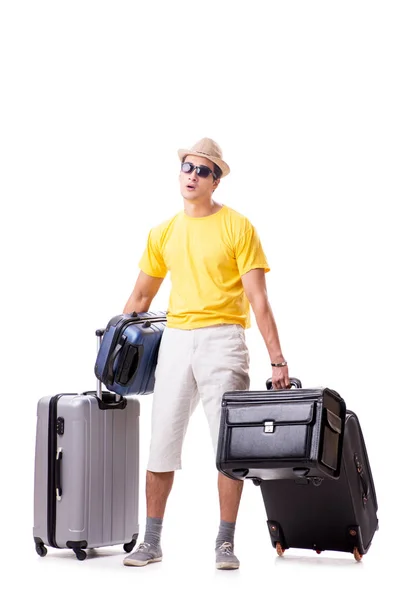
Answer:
(281, 364)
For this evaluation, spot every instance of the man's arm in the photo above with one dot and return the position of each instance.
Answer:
(146, 287)
(256, 292)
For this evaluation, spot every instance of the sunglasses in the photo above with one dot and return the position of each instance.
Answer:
(201, 170)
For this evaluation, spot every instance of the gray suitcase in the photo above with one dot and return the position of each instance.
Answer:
(86, 485)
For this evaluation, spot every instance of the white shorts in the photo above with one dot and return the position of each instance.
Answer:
(196, 364)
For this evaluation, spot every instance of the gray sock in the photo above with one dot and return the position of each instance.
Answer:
(152, 535)
(226, 533)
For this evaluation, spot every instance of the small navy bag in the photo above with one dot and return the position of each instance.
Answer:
(128, 353)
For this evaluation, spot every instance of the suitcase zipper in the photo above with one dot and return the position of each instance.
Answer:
(145, 323)
(51, 470)
(131, 319)
(134, 321)
(275, 396)
(366, 466)
(149, 368)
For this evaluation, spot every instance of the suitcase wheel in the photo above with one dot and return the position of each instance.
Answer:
(357, 554)
(279, 549)
(129, 546)
(41, 549)
(80, 554)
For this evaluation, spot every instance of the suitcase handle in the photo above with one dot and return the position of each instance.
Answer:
(129, 364)
(58, 474)
(364, 482)
(107, 402)
(113, 356)
(296, 383)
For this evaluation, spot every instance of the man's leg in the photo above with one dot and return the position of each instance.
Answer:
(175, 397)
(222, 364)
(158, 487)
(230, 492)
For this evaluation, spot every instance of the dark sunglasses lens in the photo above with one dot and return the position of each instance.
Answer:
(203, 171)
(187, 167)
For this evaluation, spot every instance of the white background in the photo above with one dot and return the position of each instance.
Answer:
(96, 98)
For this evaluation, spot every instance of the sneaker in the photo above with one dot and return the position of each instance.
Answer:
(143, 555)
(225, 559)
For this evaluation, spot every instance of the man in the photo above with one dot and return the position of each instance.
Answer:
(217, 266)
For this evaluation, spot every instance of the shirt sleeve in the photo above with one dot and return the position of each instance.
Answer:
(152, 262)
(249, 252)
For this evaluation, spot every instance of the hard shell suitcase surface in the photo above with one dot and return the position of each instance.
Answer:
(281, 434)
(326, 514)
(86, 472)
(127, 357)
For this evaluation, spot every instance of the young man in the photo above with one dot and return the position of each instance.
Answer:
(217, 268)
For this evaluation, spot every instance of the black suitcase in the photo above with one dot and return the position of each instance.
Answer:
(326, 514)
(281, 434)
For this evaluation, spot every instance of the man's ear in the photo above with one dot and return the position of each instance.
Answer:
(216, 184)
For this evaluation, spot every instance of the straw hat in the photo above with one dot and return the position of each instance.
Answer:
(209, 149)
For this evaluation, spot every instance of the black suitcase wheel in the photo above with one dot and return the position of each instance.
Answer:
(41, 549)
(279, 549)
(357, 554)
(129, 546)
(80, 554)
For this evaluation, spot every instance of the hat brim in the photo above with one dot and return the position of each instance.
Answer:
(220, 163)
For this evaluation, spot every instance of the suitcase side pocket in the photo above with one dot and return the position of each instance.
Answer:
(332, 429)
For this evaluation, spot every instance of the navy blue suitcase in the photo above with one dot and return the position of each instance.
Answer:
(127, 357)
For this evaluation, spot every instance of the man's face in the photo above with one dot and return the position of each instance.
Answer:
(194, 187)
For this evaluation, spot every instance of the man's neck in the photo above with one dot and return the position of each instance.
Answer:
(203, 209)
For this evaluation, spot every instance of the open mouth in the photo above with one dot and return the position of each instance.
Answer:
(190, 187)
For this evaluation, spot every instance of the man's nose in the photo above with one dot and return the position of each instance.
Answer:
(193, 175)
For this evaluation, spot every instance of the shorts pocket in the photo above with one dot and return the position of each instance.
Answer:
(239, 332)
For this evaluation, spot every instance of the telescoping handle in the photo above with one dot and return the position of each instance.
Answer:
(99, 335)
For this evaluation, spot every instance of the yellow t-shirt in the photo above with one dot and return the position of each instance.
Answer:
(206, 257)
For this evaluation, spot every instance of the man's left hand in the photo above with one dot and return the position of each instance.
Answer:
(280, 378)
